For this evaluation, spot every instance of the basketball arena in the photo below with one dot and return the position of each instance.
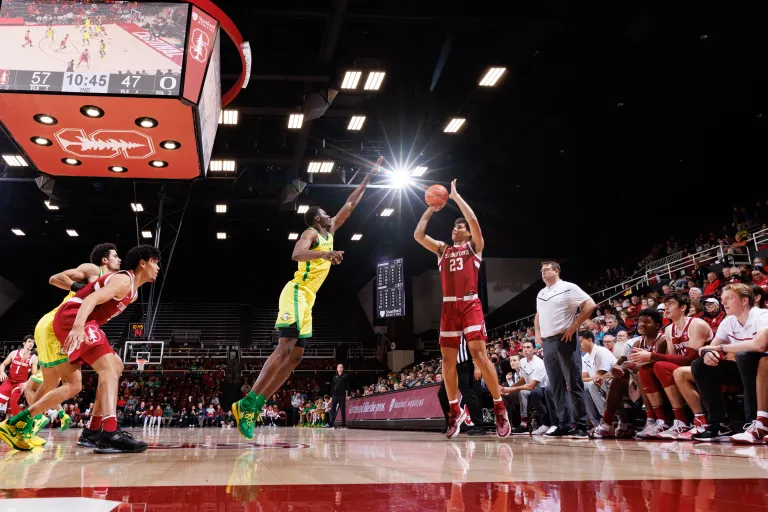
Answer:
(344, 256)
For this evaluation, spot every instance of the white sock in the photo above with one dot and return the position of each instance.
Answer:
(453, 401)
(650, 421)
(762, 414)
(496, 400)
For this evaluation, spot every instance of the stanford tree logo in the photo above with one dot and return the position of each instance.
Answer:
(200, 44)
(105, 143)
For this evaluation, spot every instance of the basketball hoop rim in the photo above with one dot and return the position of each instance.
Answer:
(234, 34)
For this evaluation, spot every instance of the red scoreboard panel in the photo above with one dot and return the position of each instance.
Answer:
(118, 89)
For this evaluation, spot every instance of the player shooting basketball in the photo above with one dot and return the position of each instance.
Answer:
(462, 312)
(315, 254)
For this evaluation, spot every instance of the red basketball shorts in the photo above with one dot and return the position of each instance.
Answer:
(6, 388)
(462, 317)
(96, 344)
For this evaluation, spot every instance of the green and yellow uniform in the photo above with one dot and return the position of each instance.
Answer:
(298, 296)
(38, 375)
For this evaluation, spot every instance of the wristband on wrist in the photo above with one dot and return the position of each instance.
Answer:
(76, 286)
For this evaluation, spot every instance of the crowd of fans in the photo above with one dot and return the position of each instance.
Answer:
(419, 374)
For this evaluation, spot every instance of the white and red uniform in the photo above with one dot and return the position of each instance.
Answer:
(462, 312)
(97, 344)
(680, 340)
(18, 373)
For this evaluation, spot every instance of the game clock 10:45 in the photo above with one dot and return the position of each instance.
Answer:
(86, 82)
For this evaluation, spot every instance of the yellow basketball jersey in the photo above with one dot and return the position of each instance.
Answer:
(311, 274)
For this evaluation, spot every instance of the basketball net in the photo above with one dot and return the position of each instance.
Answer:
(140, 364)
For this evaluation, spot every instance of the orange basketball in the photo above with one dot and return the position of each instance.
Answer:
(436, 195)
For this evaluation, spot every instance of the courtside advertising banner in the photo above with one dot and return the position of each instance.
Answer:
(419, 403)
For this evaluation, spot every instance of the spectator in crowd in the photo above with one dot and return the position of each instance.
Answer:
(694, 294)
(696, 310)
(714, 315)
(168, 416)
(157, 415)
(614, 327)
(713, 285)
(622, 341)
(141, 414)
(760, 276)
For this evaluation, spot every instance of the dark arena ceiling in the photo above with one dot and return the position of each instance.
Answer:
(613, 125)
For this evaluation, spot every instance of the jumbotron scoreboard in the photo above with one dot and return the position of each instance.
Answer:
(390, 289)
(115, 88)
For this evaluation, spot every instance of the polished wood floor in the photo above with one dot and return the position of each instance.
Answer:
(368, 461)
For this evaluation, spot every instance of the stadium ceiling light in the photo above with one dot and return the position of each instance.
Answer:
(303, 208)
(374, 80)
(137, 207)
(117, 168)
(221, 235)
(18, 232)
(295, 121)
(50, 206)
(228, 117)
(146, 234)
(41, 141)
(14, 161)
(222, 165)
(158, 163)
(455, 125)
(399, 178)
(72, 232)
(146, 122)
(45, 119)
(356, 123)
(91, 111)
(71, 161)
(356, 237)
(320, 167)
(419, 171)
(221, 208)
(387, 212)
(491, 77)
(293, 236)
(351, 79)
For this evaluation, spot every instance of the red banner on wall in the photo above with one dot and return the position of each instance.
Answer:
(419, 403)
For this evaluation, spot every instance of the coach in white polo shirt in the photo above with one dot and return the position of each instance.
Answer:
(556, 325)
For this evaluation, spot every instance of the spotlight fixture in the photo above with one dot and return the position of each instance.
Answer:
(45, 119)
(18, 232)
(399, 178)
(146, 122)
(158, 163)
(387, 212)
(320, 167)
(71, 161)
(170, 145)
(146, 234)
(491, 77)
(50, 206)
(137, 207)
(14, 161)
(91, 111)
(351, 78)
(374, 80)
(222, 165)
(41, 141)
(356, 237)
(295, 121)
(221, 235)
(303, 208)
(72, 233)
(117, 168)
(454, 125)
(356, 123)
(419, 171)
(228, 117)
(293, 236)
(221, 208)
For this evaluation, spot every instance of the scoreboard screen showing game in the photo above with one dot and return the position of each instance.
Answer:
(94, 48)
(390, 289)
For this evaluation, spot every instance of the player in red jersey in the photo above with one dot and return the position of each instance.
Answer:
(85, 57)
(684, 337)
(20, 362)
(79, 321)
(63, 43)
(462, 312)
(27, 40)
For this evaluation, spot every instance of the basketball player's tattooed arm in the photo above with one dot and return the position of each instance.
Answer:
(8, 360)
(117, 288)
(420, 235)
(302, 252)
(85, 272)
(474, 226)
(354, 199)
